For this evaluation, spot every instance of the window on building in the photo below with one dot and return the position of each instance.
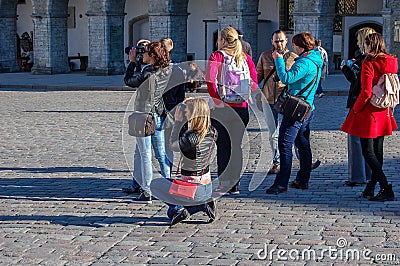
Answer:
(286, 20)
(397, 31)
(343, 8)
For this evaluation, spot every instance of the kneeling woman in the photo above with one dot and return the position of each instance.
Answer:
(195, 140)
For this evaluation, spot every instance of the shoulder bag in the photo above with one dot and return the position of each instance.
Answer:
(141, 124)
(295, 106)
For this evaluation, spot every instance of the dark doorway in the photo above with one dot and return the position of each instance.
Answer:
(215, 41)
(353, 47)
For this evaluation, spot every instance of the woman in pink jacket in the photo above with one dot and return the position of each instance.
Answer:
(230, 119)
(371, 123)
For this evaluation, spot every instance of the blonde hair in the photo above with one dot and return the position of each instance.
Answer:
(361, 34)
(200, 120)
(233, 46)
(168, 43)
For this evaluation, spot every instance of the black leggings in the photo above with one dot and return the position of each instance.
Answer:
(372, 150)
(230, 123)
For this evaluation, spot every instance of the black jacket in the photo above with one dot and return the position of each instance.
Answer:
(175, 91)
(196, 157)
(353, 75)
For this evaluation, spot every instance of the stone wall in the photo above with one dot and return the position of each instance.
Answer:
(394, 7)
(8, 36)
(169, 19)
(317, 18)
(50, 36)
(240, 14)
(106, 35)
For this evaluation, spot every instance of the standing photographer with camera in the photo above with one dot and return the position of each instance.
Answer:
(140, 49)
(150, 84)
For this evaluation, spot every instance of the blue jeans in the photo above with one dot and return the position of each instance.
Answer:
(319, 88)
(294, 132)
(273, 129)
(142, 165)
(160, 189)
(359, 171)
(169, 153)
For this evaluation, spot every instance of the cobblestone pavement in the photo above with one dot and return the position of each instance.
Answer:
(62, 169)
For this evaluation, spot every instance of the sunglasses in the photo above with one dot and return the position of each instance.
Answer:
(278, 41)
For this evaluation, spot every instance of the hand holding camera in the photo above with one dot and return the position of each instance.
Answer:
(348, 63)
(135, 53)
(132, 54)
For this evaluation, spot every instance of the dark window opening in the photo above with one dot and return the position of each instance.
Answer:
(343, 8)
(286, 20)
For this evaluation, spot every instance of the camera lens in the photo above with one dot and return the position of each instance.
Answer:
(128, 49)
(140, 49)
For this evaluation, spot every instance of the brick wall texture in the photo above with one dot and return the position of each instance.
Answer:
(166, 18)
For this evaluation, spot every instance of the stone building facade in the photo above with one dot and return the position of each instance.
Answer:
(107, 26)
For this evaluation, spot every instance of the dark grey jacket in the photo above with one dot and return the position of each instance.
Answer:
(151, 84)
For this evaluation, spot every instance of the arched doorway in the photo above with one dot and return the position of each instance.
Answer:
(353, 47)
(138, 29)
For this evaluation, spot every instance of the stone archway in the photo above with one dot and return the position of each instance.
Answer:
(8, 36)
(134, 28)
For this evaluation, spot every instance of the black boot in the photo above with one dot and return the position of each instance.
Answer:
(385, 194)
(368, 191)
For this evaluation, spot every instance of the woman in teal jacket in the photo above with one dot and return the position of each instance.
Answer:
(303, 72)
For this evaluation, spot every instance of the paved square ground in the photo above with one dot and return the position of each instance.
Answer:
(62, 168)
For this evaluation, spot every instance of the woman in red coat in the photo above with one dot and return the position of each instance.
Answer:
(371, 123)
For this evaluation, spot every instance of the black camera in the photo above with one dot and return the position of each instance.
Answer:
(139, 49)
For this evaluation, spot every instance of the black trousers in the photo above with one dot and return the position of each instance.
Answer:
(372, 150)
(230, 122)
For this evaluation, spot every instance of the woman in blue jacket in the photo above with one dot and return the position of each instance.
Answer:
(303, 72)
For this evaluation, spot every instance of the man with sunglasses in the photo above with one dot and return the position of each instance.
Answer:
(271, 87)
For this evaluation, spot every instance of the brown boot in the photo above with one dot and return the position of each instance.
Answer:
(315, 164)
(274, 170)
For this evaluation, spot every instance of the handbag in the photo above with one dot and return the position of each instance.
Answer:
(294, 106)
(188, 189)
(141, 124)
(183, 188)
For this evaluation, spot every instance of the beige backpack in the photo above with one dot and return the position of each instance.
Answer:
(385, 94)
